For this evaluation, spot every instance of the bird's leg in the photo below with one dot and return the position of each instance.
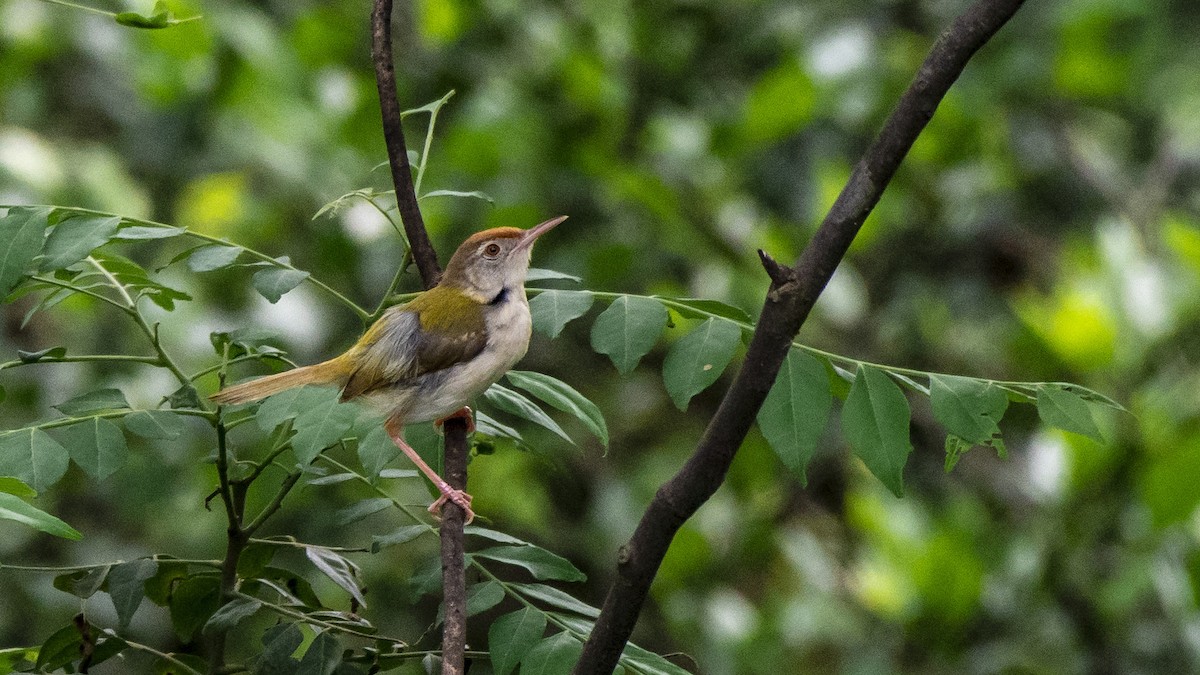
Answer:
(463, 413)
(395, 430)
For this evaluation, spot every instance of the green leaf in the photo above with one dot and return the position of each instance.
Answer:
(970, 409)
(193, 601)
(74, 239)
(698, 359)
(84, 583)
(552, 310)
(955, 447)
(514, 403)
(556, 655)
(279, 643)
(34, 357)
(15, 486)
(14, 508)
(31, 455)
(320, 419)
(215, 257)
(628, 329)
(543, 564)
(401, 536)
(795, 412)
(288, 405)
(475, 194)
(561, 395)
(96, 445)
(145, 232)
(484, 596)
(322, 657)
(703, 308)
(511, 636)
(875, 421)
(159, 587)
(542, 274)
(185, 398)
(556, 598)
(22, 232)
(494, 535)
(1068, 411)
(361, 509)
(273, 282)
(155, 424)
(60, 649)
(93, 401)
(232, 613)
(161, 18)
(376, 450)
(338, 568)
(127, 587)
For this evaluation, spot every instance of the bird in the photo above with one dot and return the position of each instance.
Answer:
(428, 358)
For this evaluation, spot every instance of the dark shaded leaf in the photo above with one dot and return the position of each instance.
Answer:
(511, 636)
(376, 450)
(231, 613)
(279, 643)
(22, 232)
(127, 587)
(702, 308)
(562, 396)
(543, 564)
(34, 357)
(93, 401)
(338, 568)
(556, 598)
(322, 657)
(185, 398)
(401, 536)
(192, 602)
(555, 655)
(60, 649)
(361, 509)
(514, 403)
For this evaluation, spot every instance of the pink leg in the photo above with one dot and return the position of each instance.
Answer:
(395, 429)
(463, 413)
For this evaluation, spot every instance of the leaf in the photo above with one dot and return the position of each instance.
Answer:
(376, 450)
(215, 257)
(161, 18)
(15, 486)
(320, 419)
(333, 479)
(322, 657)
(22, 232)
(127, 587)
(542, 274)
(93, 401)
(31, 455)
(514, 403)
(552, 310)
(703, 308)
(231, 613)
(796, 410)
(475, 194)
(82, 584)
(1065, 410)
(34, 357)
(556, 598)
(279, 643)
(955, 447)
(97, 446)
(14, 508)
(155, 424)
(144, 232)
(74, 239)
(273, 282)
(361, 509)
(561, 395)
(555, 655)
(60, 649)
(970, 409)
(288, 405)
(193, 601)
(185, 398)
(339, 569)
(628, 329)
(482, 597)
(875, 421)
(543, 564)
(696, 361)
(494, 535)
(511, 636)
(401, 536)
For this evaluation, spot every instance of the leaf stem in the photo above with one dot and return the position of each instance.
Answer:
(85, 358)
(162, 655)
(77, 568)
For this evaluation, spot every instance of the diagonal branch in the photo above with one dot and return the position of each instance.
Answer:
(454, 580)
(789, 301)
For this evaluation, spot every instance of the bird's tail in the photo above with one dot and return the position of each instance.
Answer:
(329, 372)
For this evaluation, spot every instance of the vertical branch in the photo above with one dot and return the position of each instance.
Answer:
(792, 294)
(454, 583)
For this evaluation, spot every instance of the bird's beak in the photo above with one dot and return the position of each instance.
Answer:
(536, 231)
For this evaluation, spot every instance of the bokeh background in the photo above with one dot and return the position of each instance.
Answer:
(1046, 226)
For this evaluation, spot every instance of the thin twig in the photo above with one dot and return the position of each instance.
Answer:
(787, 306)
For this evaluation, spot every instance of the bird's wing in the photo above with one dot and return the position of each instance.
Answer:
(398, 348)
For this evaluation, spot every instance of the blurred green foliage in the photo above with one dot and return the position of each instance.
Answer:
(1045, 227)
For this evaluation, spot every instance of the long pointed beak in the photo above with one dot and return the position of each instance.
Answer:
(536, 231)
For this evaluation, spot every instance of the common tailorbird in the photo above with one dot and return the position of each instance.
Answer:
(426, 359)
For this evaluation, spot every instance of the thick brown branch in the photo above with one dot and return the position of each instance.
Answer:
(393, 136)
(787, 306)
(454, 629)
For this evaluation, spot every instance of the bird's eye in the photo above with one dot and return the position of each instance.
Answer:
(491, 250)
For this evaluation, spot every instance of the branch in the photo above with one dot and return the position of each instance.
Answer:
(791, 298)
(454, 583)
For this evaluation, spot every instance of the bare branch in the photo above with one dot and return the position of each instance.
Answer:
(787, 306)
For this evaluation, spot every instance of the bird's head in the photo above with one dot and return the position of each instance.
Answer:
(492, 260)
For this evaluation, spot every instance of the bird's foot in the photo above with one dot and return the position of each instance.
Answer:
(463, 413)
(458, 497)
